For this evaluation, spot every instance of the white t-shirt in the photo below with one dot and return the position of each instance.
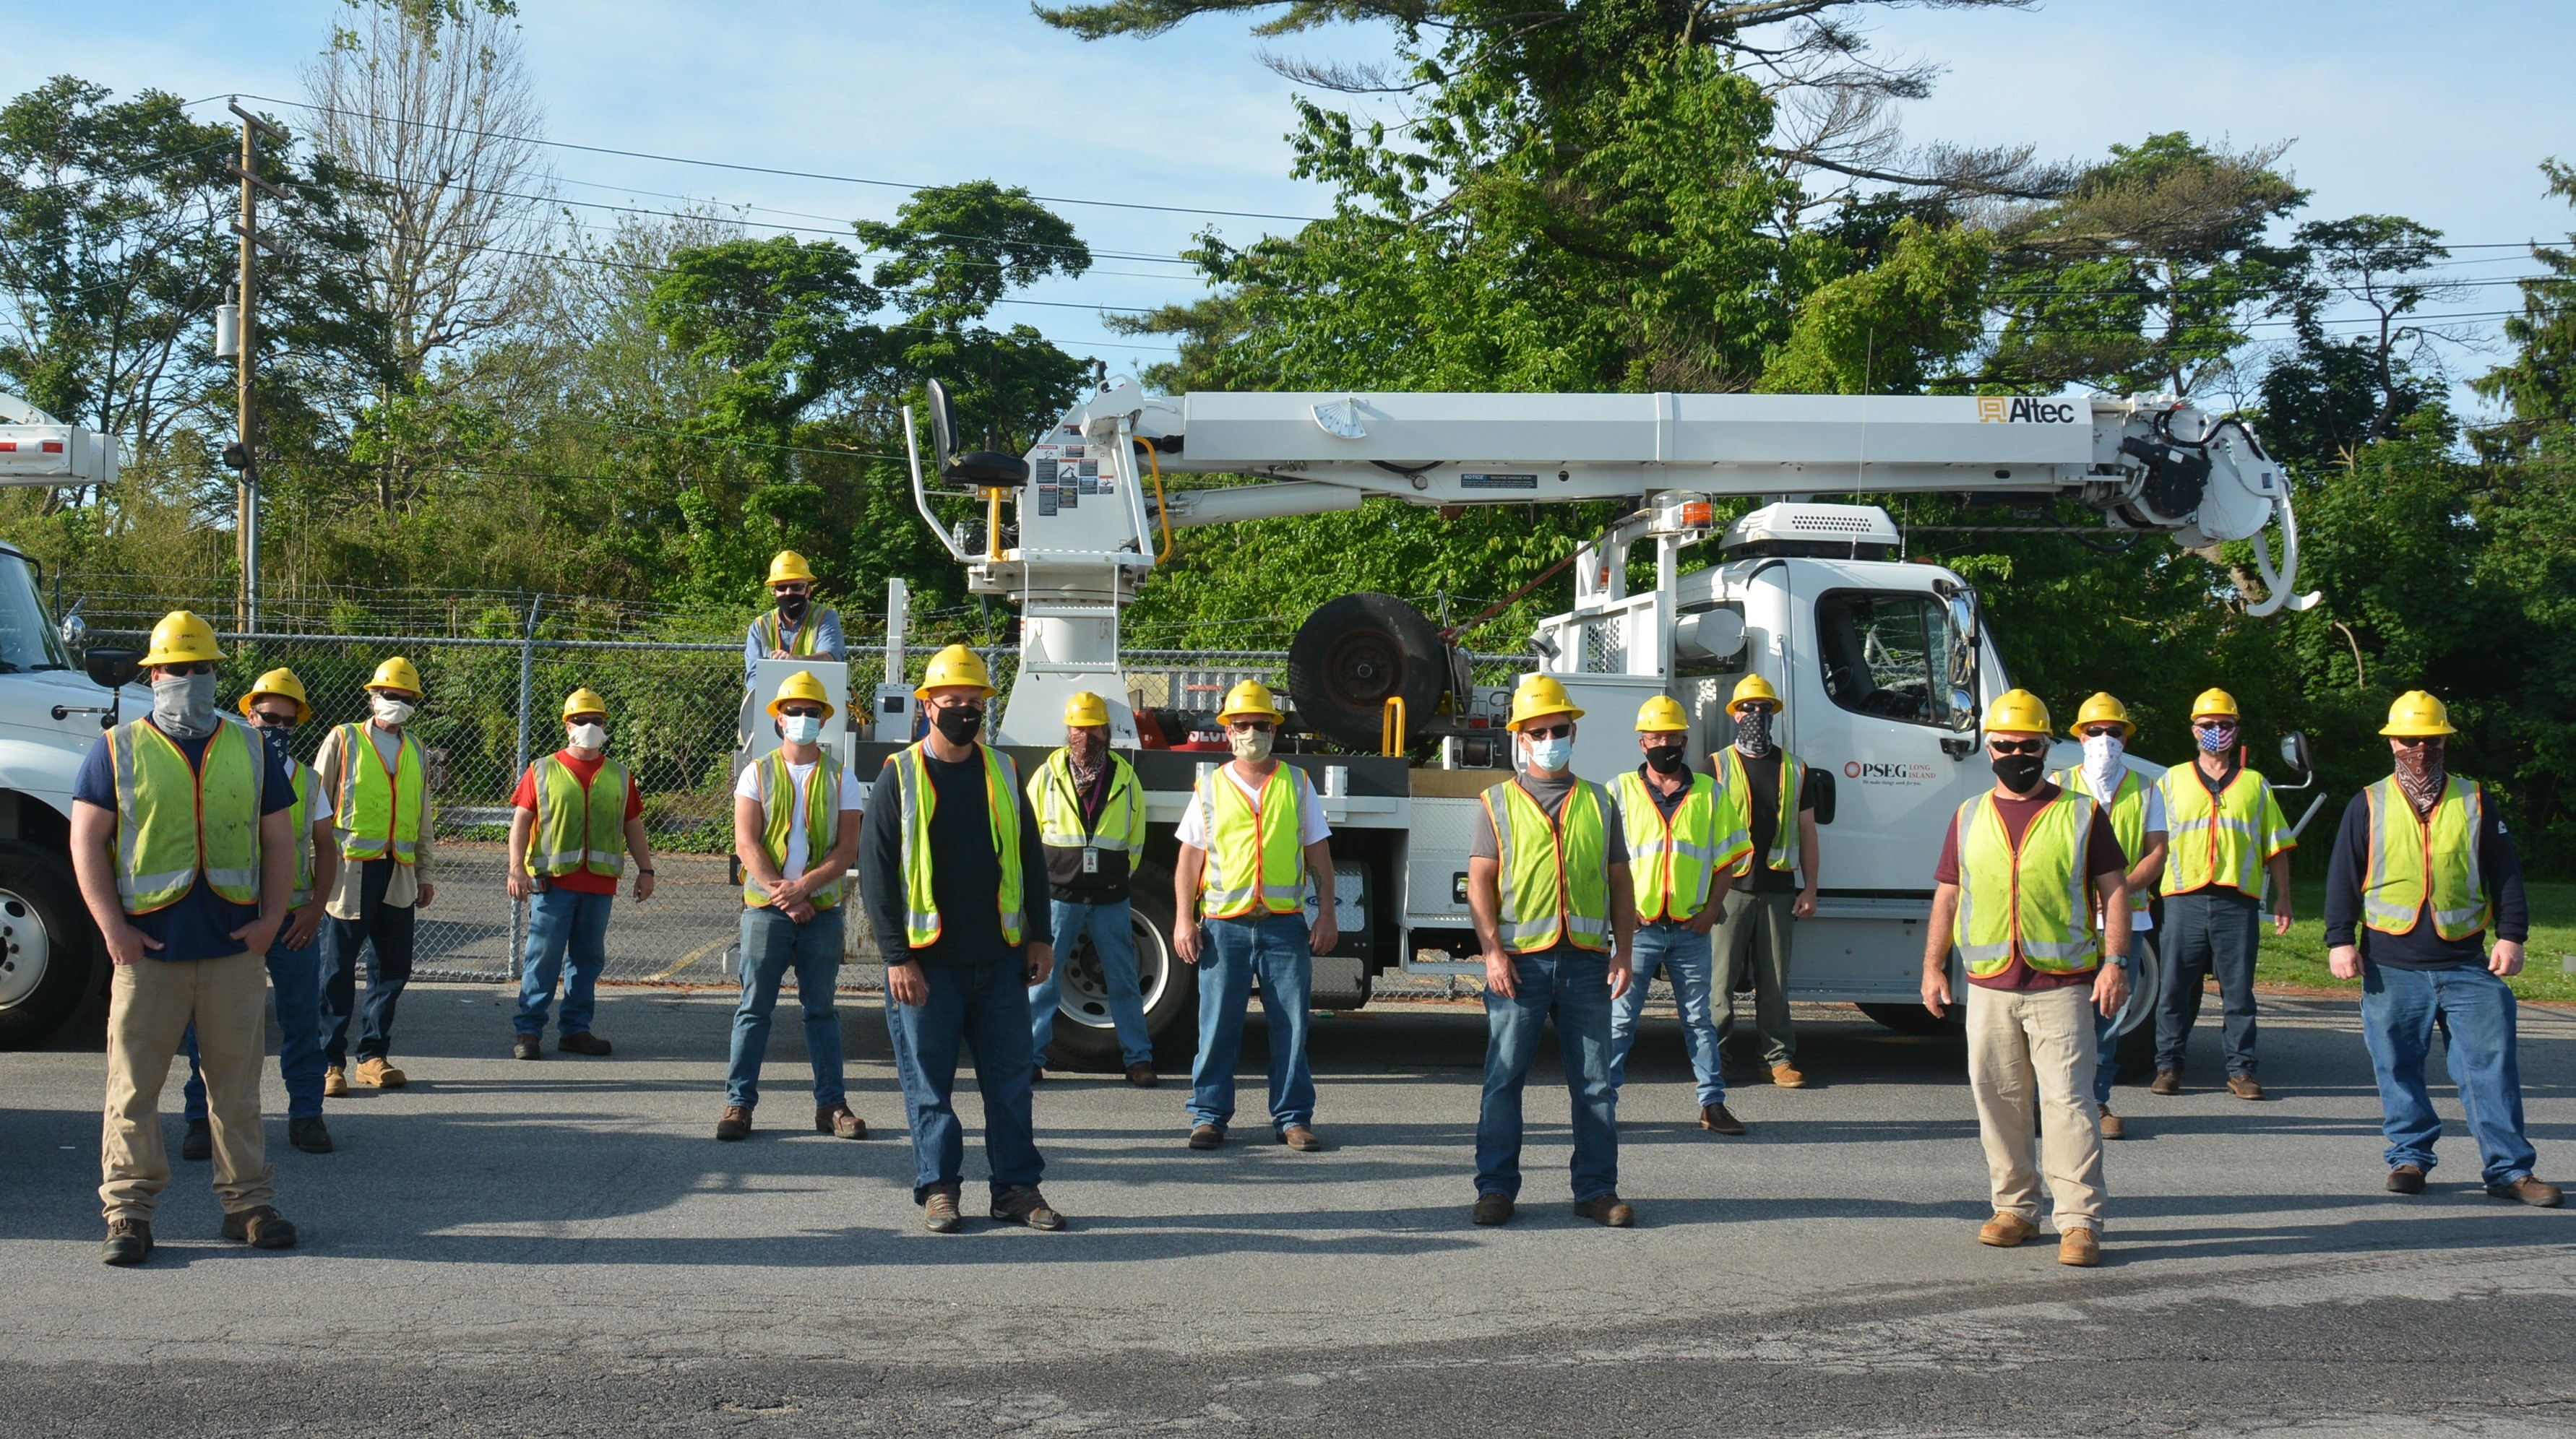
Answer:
(1194, 831)
(854, 796)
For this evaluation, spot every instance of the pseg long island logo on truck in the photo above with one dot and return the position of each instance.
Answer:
(1996, 409)
(1884, 772)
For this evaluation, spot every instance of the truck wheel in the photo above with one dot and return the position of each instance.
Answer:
(1352, 655)
(2135, 1048)
(1915, 1019)
(1084, 1035)
(49, 951)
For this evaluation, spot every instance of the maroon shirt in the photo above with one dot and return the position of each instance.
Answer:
(2101, 856)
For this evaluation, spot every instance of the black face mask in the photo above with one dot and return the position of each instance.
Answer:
(959, 725)
(792, 607)
(1665, 759)
(2019, 772)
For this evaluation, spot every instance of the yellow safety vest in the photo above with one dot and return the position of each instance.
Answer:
(175, 820)
(778, 811)
(2416, 861)
(1002, 807)
(378, 812)
(1672, 860)
(2031, 899)
(771, 627)
(1555, 874)
(305, 810)
(1783, 854)
(2128, 808)
(1059, 807)
(578, 826)
(1254, 858)
(2222, 843)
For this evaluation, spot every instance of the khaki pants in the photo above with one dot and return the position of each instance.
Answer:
(1752, 946)
(2029, 1047)
(150, 1005)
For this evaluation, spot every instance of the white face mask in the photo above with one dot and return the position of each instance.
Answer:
(2101, 750)
(590, 736)
(1250, 746)
(392, 712)
(801, 729)
(1551, 754)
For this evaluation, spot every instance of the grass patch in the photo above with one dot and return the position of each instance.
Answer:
(2300, 956)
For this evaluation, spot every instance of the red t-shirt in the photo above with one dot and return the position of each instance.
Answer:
(2102, 856)
(580, 881)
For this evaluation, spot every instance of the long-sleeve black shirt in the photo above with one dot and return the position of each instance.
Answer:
(965, 876)
(2421, 947)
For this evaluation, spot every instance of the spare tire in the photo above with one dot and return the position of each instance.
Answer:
(1355, 653)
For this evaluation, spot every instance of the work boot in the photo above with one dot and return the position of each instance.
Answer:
(381, 1073)
(1143, 1076)
(2244, 1086)
(2112, 1128)
(2006, 1230)
(309, 1134)
(335, 1083)
(260, 1228)
(939, 1211)
(198, 1142)
(734, 1123)
(1300, 1138)
(2079, 1248)
(2166, 1082)
(840, 1123)
(527, 1046)
(2406, 1179)
(1206, 1136)
(1608, 1210)
(582, 1043)
(2529, 1191)
(1023, 1204)
(1492, 1209)
(1037, 1074)
(1716, 1120)
(1787, 1076)
(129, 1241)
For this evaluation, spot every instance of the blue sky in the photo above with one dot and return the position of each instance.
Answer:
(2437, 113)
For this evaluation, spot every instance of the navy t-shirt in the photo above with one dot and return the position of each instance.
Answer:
(201, 924)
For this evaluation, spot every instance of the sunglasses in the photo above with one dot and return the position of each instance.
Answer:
(273, 719)
(1554, 731)
(1249, 726)
(2215, 726)
(2100, 731)
(800, 712)
(2018, 746)
(201, 667)
(2416, 741)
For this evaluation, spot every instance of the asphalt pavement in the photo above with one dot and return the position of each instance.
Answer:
(561, 1247)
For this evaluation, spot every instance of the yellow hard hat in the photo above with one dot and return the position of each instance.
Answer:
(181, 639)
(2103, 708)
(2017, 712)
(955, 665)
(283, 684)
(1660, 713)
(1250, 699)
(1538, 697)
(2418, 713)
(788, 565)
(396, 674)
(584, 702)
(2215, 702)
(1086, 709)
(800, 686)
(1752, 687)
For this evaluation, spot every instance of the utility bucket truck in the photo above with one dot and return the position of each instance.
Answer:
(1884, 667)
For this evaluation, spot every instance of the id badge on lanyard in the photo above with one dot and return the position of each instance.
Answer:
(1091, 859)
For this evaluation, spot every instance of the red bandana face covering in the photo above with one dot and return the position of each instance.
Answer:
(2420, 772)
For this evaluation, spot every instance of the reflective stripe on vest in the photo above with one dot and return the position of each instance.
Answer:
(378, 812)
(175, 819)
(1783, 854)
(1058, 803)
(306, 809)
(2222, 843)
(2128, 807)
(1554, 873)
(2418, 860)
(921, 920)
(1255, 859)
(579, 826)
(1672, 860)
(822, 822)
(771, 628)
(2028, 898)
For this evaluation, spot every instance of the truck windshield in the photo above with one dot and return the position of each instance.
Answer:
(1885, 652)
(27, 637)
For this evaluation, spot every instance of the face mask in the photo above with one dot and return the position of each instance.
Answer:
(1753, 733)
(184, 704)
(959, 725)
(805, 729)
(2421, 772)
(1665, 759)
(1551, 754)
(276, 740)
(2101, 750)
(590, 736)
(1250, 746)
(792, 607)
(1083, 749)
(2019, 771)
(395, 713)
(2217, 739)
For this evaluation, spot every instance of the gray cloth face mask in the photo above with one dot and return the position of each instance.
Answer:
(185, 704)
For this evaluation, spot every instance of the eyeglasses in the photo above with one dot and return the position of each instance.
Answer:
(2416, 741)
(273, 719)
(800, 711)
(2021, 746)
(1249, 726)
(1554, 731)
(2102, 731)
(201, 667)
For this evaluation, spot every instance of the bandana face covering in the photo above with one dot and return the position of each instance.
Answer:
(185, 704)
(2421, 772)
(2102, 764)
(1753, 732)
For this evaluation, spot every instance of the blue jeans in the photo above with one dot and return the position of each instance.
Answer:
(985, 1007)
(1275, 948)
(1113, 943)
(296, 979)
(2208, 931)
(771, 942)
(561, 920)
(385, 931)
(1574, 985)
(1671, 950)
(2474, 1010)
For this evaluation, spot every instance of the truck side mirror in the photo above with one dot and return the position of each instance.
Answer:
(2294, 751)
(112, 668)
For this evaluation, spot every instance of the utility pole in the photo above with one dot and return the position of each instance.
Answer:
(243, 454)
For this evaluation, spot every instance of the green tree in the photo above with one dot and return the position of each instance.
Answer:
(2539, 383)
(2325, 398)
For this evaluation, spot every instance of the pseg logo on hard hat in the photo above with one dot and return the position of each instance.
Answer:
(1998, 410)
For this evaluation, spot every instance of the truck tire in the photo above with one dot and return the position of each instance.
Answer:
(1352, 655)
(1084, 1036)
(49, 950)
(1915, 1019)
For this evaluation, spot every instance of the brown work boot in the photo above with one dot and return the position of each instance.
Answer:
(1608, 1210)
(2406, 1179)
(1023, 1204)
(582, 1043)
(335, 1083)
(1716, 1120)
(2006, 1230)
(1787, 1076)
(527, 1046)
(260, 1228)
(1143, 1076)
(1206, 1136)
(939, 1211)
(2528, 1190)
(840, 1123)
(2167, 1081)
(734, 1123)
(1298, 1137)
(1492, 1209)
(381, 1074)
(2079, 1248)
(129, 1241)
(2244, 1086)
(2112, 1128)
